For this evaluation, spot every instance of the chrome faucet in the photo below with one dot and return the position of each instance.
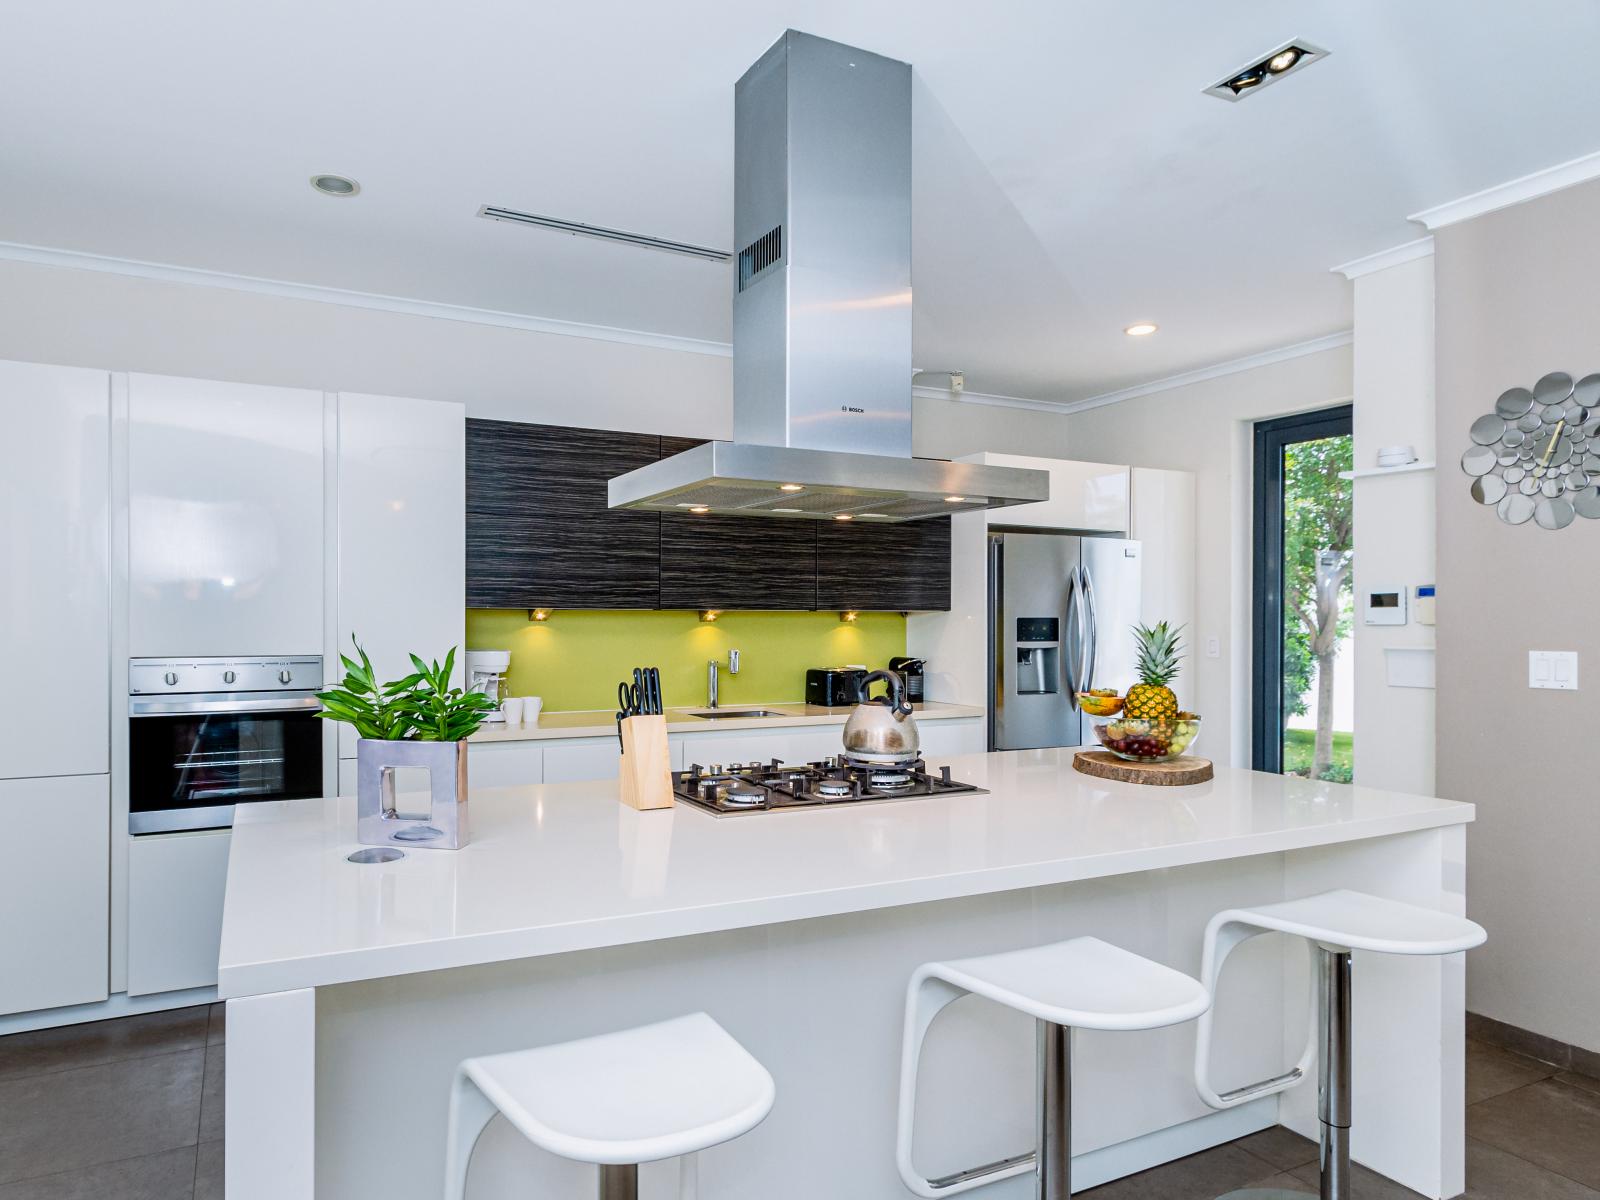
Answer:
(713, 666)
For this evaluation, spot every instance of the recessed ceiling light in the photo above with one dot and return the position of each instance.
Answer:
(1141, 329)
(791, 487)
(1285, 60)
(955, 499)
(844, 517)
(335, 185)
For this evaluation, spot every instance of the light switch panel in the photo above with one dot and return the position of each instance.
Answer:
(1556, 669)
(1213, 647)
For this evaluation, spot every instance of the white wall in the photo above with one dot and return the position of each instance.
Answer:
(1206, 428)
(126, 323)
(1394, 517)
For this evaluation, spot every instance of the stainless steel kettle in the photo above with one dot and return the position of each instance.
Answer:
(882, 729)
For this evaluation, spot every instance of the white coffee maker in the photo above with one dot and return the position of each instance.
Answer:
(486, 673)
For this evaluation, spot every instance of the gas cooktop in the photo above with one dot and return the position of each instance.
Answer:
(742, 788)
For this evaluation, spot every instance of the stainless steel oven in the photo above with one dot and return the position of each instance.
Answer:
(205, 734)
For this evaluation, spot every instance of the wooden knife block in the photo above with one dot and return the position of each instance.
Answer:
(646, 773)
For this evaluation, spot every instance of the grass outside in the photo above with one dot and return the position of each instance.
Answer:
(1297, 749)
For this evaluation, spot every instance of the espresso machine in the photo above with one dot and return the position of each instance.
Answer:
(486, 673)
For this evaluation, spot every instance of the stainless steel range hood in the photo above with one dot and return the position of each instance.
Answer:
(822, 311)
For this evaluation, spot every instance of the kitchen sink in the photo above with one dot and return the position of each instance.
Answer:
(719, 714)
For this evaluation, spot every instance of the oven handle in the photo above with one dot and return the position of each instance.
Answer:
(167, 706)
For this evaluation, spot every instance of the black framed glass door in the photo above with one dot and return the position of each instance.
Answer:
(1303, 552)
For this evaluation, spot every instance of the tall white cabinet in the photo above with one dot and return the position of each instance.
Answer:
(225, 518)
(402, 533)
(55, 621)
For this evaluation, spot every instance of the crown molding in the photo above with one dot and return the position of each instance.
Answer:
(922, 392)
(1232, 366)
(1384, 259)
(196, 276)
(1514, 191)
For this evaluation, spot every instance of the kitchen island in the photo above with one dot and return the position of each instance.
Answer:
(354, 990)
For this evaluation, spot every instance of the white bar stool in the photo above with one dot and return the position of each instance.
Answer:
(1083, 983)
(667, 1090)
(1335, 923)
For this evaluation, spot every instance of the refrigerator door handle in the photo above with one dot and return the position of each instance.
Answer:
(1072, 619)
(1091, 639)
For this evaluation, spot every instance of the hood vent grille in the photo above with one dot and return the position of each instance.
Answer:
(754, 260)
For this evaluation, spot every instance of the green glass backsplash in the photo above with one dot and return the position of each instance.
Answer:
(576, 658)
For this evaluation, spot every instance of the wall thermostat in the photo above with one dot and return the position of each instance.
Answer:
(1425, 604)
(1387, 607)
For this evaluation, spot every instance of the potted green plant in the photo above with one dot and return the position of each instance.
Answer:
(418, 721)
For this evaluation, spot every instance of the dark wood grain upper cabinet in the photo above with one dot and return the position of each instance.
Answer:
(735, 562)
(903, 567)
(539, 532)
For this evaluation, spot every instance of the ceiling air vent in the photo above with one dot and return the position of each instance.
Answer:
(766, 251)
(579, 229)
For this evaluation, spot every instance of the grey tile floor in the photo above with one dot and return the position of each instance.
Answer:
(129, 1109)
(132, 1110)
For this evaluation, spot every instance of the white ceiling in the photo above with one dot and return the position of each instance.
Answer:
(1070, 176)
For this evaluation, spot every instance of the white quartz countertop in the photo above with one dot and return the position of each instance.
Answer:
(596, 723)
(563, 867)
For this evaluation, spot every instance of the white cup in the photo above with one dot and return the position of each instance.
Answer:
(532, 706)
(511, 709)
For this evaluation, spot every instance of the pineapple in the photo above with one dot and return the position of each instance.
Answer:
(1159, 651)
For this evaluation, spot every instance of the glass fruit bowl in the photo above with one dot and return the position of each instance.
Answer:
(1137, 739)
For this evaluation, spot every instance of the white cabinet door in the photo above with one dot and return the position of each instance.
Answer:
(942, 739)
(806, 743)
(504, 764)
(225, 518)
(1162, 512)
(55, 610)
(1083, 495)
(55, 871)
(594, 758)
(402, 533)
(176, 886)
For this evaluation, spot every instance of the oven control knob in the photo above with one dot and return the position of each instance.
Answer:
(171, 678)
(229, 677)
(284, 677)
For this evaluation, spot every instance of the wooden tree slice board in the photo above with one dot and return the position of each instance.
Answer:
(1104, 765)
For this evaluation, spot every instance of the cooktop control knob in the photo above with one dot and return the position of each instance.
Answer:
(171, 678)
(229, 677)
(284, 677)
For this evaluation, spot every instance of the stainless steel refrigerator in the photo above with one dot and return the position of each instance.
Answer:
(1061, 611)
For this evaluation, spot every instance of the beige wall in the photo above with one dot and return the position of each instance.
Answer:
(1206, 428)
(119, 322)
(1394, 518)
(1516, 299)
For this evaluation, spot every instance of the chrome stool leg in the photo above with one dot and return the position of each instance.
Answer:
(1054, 1164)
(1333, 1058)
(619, 1181)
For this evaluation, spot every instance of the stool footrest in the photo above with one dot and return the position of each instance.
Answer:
(1265, 1088)
(994, 1168)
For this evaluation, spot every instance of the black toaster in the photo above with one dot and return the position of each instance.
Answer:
(831, 687)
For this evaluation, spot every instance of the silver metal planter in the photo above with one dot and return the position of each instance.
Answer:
(380, 823)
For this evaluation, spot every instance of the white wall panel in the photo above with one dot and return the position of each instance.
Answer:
(225, 521)
(55, 615)
(54, 880)
(402, 534)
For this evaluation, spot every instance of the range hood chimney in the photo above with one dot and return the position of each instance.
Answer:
(822, 311)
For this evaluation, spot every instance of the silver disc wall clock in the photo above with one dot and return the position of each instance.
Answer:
(1536, 457)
